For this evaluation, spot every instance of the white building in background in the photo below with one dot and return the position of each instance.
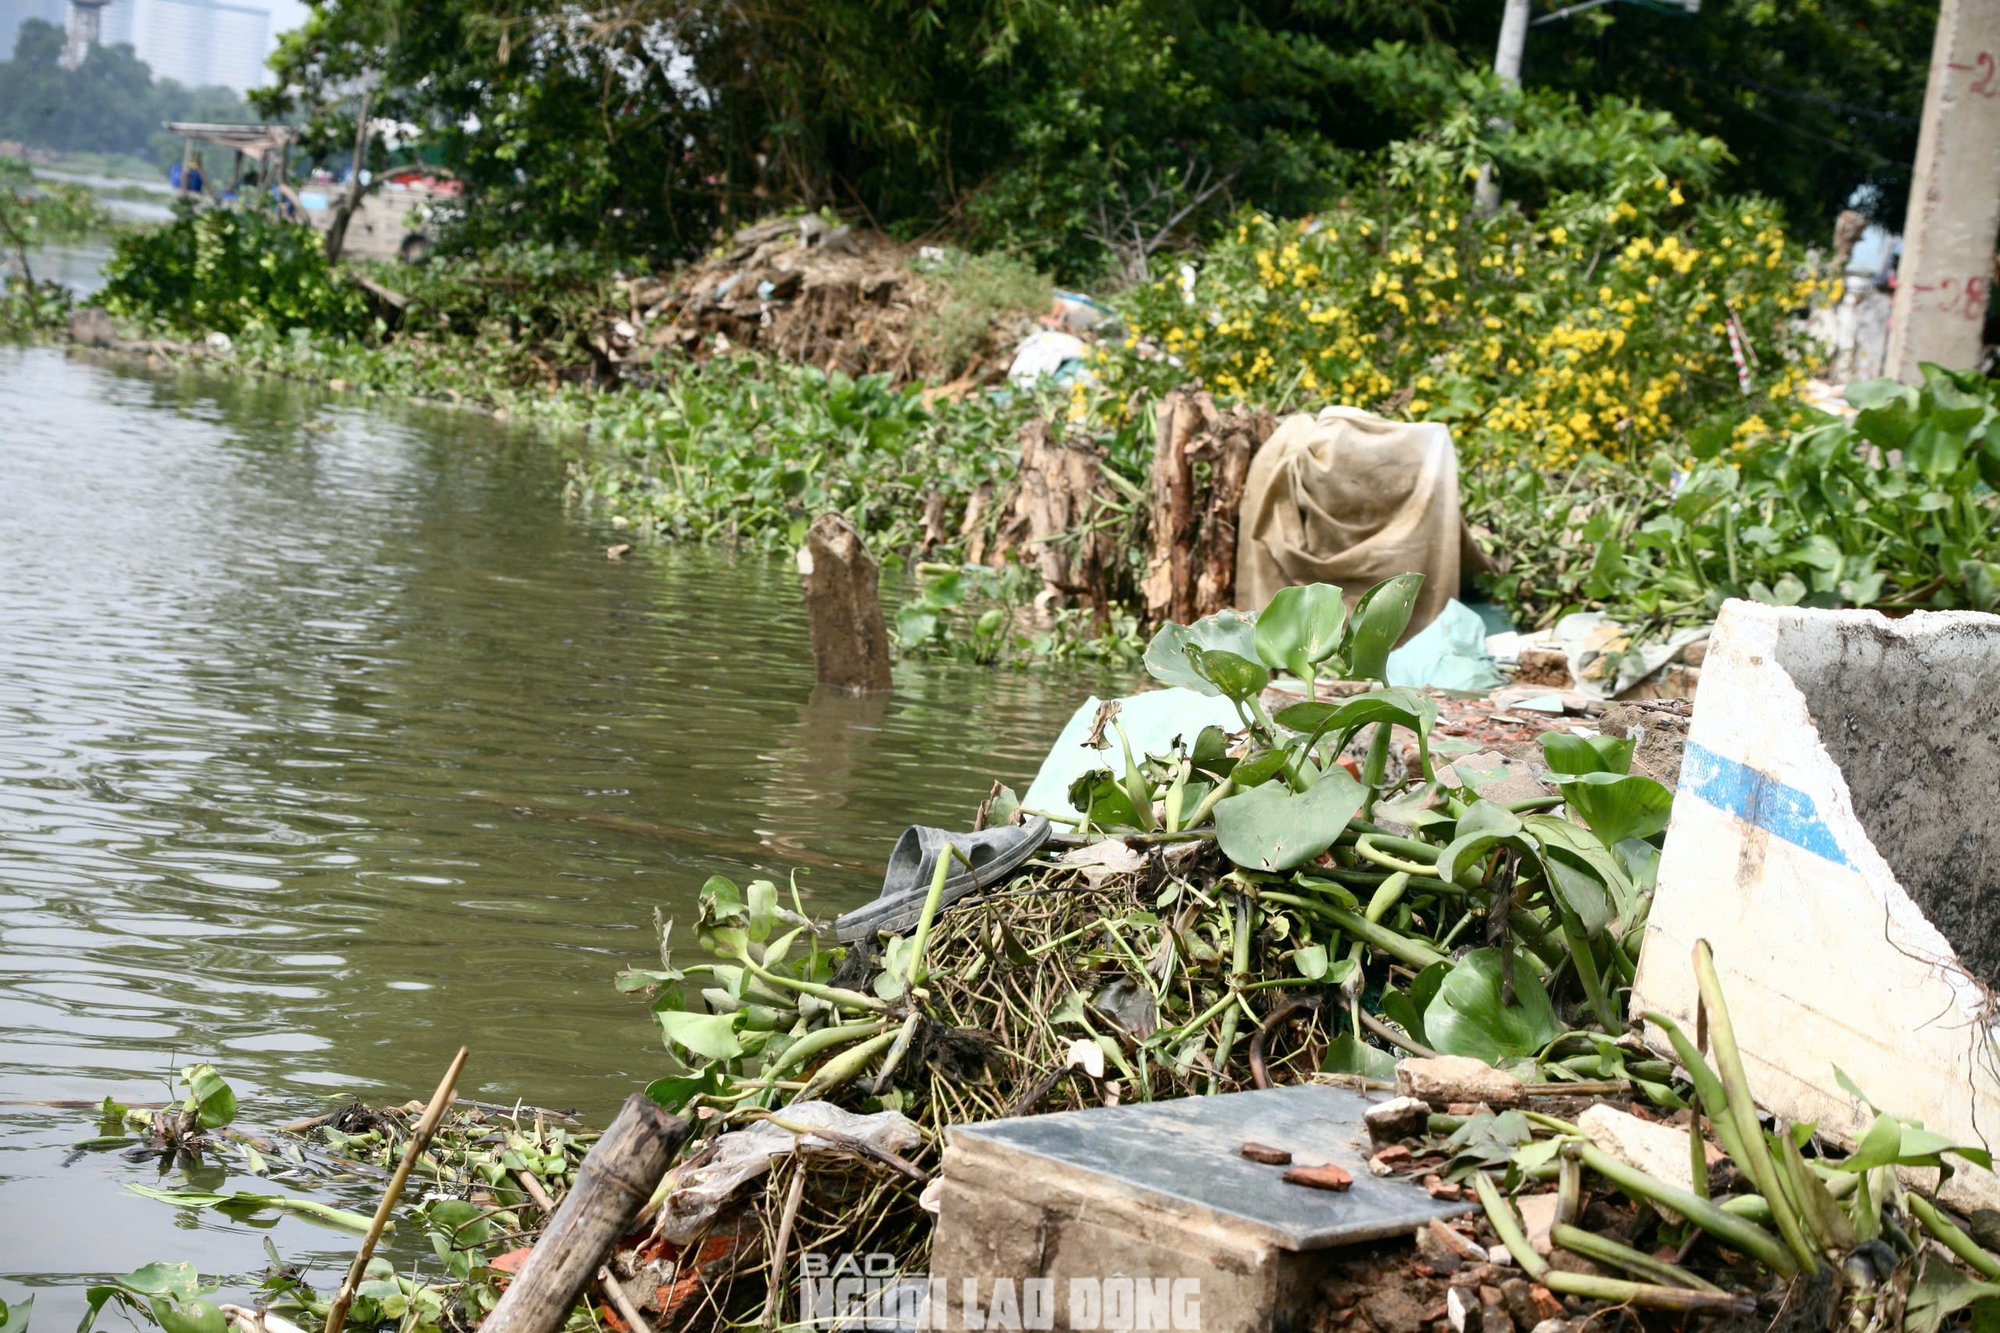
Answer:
(195, 42)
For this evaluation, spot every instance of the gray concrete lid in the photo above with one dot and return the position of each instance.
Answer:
(1181, 1156)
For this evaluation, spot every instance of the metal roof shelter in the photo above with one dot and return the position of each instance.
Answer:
(255, 142)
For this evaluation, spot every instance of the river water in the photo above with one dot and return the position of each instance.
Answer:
(330, 740)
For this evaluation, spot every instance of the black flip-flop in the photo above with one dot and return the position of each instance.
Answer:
(994, 853)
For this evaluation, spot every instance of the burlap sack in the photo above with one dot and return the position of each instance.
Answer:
(1352, 499)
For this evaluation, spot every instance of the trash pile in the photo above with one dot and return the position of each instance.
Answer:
(818, 293)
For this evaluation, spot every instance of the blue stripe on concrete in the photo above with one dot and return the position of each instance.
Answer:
(1758, 799)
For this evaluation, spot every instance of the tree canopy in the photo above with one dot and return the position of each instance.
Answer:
(1082, 133)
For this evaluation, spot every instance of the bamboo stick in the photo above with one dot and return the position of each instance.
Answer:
(420, 1138)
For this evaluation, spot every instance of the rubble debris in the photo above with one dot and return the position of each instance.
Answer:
(1441, 1080)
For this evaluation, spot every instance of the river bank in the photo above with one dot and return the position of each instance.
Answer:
(335, 741)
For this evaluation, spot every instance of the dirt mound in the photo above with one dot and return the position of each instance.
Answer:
(821, 294)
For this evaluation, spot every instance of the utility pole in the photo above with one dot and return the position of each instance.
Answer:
(1507, 64)
(1946, 275)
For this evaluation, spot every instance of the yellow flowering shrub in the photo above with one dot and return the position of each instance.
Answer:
(1598, 327)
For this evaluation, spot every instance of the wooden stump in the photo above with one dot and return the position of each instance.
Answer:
(1054, 512)
(611, 1186)
(850, 642)
(1191, 568)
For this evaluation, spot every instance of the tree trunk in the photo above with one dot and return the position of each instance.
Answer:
(850, 642)
(1191, 571)
(336, 230)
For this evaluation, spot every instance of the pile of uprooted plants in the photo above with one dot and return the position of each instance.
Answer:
(1308, 897)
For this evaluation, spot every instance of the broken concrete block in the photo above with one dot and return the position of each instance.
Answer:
(1833, 840)
(1443, 1079)
(1156, 1192)
(1538, 1219)
(1661, 1151)
(1398, 1118)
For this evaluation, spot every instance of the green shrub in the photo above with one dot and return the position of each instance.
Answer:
(1596, 325)
(981, 289)
(232, 271)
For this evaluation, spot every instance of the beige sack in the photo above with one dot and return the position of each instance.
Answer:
(1352, 499)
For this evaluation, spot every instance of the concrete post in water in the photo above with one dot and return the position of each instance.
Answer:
(1946, 273)
(611, 1186)
(850, 643)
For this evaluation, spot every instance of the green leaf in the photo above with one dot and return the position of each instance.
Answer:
(1234, 676)
(1567, 753)
(208, 1096)
(676, 1090)
(1379, 619)
(1484, 824)
(1406, 1008)
(1582, 892)
(1940, 1293)
(711, 1035)
(196, 1316)
(1167, 659)
(1888, 411)
(1271, 828)
(14, 1318)
(1310, 961)
(1301, 628)
(1346, 1054)
(1618, 806)
(761, 906)
(1399, 706)
(1467, 1017)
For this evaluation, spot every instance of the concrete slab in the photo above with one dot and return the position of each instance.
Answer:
(1155, 1198)
(1181, 1157)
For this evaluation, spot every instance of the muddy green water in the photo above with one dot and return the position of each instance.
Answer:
(330, 740)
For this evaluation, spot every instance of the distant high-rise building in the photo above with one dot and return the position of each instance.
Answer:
(81, 33)
(201, 42)
(193, 42)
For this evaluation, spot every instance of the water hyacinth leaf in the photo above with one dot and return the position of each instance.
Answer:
(1888, 411)
(1941, 1292)
(1167, 659)
(1566, 753)
(14, 1317)
(1400, 706)
(1467, 1017)
(1301, 628)
(1894, 1142)
(1104, 800)
(1581, 892)
(1211, 752)
(1347, 1054)
(676, 1090)
(1406, 1008)
(1233, 675)
(208, 1096)
(1483, 825)
(1272, 828)
(196, 1316)
(761, 908)
(1379, 619)
(1310, 961)
(1259, 768)
(1618, 806)
(1417, 808)
(713, 1036)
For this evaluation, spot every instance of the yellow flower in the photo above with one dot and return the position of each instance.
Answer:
(1675, 198)
(1560, 235)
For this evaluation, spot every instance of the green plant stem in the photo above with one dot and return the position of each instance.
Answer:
(1500, 1214)
(1374, 766)
(819, 1040)
(1581, 954)
(1219, 791)
(1243, 923)
(920, 941)
(1624, 1256)
(844, 1068)
(1368, 847)
(1732, 1231)
(1400, 947)
(1749, 1133)
(1952, 1238)
(1619, 1292)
